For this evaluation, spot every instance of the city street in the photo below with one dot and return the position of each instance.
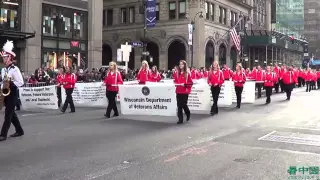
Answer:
(256, 142)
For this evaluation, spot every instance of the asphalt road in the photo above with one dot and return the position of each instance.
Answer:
(256, 142)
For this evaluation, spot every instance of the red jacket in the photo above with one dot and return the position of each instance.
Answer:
(269, 79)
(195, 74)
(227, 73)
(111, 80)
(204, 74)
(315, 77)
(59, 79)
(69, 80)
(155, 77)
(318, 74)
(277, 70)
(143, 76)
(186, 88)
(259, 75)
(253, 74)
(288, 77)
(239, 79)
(282, 71)
(309, 76)
(216, 78)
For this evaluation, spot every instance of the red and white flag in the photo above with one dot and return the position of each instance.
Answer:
(236, 39)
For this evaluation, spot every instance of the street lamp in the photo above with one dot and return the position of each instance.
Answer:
(199, 14)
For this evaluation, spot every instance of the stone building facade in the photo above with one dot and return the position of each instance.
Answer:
(168, 40)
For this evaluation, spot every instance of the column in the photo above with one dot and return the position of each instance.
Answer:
(95, 8)
(31, 17)
(268, 15)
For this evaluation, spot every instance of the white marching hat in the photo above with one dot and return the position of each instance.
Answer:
(7, 49)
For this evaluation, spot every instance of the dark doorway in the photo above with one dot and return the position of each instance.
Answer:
(209, 53)
(176, 52)
(153, 49)
(222, 54)
(106, 54)
(233, 56)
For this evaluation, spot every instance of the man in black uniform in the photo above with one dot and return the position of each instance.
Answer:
(12, 73)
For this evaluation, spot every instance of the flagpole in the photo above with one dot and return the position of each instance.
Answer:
(232, 27)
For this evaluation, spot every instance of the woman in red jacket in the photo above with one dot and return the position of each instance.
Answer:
(289, 80)
(309, 79)
(59, 81)
(69, 81)
(112, 80)
(239, 78)
(183, 83)
(144, 73)
(215, 80)
(269, 80)
(155, 76)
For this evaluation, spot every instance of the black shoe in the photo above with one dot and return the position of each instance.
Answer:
(188, 117)
(179, 122)
(238, 107)
(2, 138)
(107, 116)
(63, 111)
(212, 113)
(115, 115)
(17, 135)
(72, 111)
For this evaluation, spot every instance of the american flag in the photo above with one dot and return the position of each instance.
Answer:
(235, 38)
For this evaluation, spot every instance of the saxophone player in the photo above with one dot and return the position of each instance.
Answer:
(12, 74)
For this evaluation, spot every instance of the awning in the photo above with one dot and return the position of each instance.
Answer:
(16, 35)
(315, 62)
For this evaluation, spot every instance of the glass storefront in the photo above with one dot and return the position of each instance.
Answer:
(9, 13)
(64, 37)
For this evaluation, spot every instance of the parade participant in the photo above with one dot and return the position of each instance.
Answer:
(300, 77)
(227, 72)
(239, 78)
(259, 80)
(112, 80)
(12, 74)
(204, 73)
(248, 73)
(277, 70)
(155, 75)
(314, 81)
(69, 80)
(269, 79)
(318, 78)
(59, 81)
(144, 73)
(183, 83)
(254, 73)
(282, 71)
(309, 79)
(215, 80)
(195, 74)
(289, 80)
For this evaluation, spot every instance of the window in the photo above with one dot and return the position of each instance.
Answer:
(207, 10)
(49, 21)
(172, 10)
(104, 17)
(212, 12)
(66, 16)
(123, 15)
(157, 12)
(8, 18)
(222, 15)
(79, 29)
(109, 17)
(131, 15)
(182, 9)
(233, 18)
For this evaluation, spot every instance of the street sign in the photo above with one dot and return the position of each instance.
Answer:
(136, 44)
(126, 50)
(119, 55)
(151, 13)
(145, 53)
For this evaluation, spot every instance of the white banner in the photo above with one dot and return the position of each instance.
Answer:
(248, 93)
(38, 97)
(88, 95)
(148, 99)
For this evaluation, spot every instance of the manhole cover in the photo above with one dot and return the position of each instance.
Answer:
(293, 138)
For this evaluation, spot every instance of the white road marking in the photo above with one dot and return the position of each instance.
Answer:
(266, 135)
(24, 115)
(293, 127)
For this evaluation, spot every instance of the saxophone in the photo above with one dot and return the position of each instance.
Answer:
(5, 90)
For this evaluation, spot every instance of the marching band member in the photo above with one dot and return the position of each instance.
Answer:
(112, 80)
(12, 74)
(227, 72)
(155, 75)
(59, 79)
(239, 78)
(259, 80)
(144, 73)
(288, 79)
(215, 80)
(183, 83)
(276, 70)
(269, 79)
(309, 79)
(69, 80)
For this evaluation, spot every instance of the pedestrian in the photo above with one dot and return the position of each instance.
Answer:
(269, 80)
(69, 81)
(155, 75)
(215, 80)
(112, 80)
(239, 79)
(144, 73)
(10, 73)
(183, 83)
(289, 80)
(59, 81)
